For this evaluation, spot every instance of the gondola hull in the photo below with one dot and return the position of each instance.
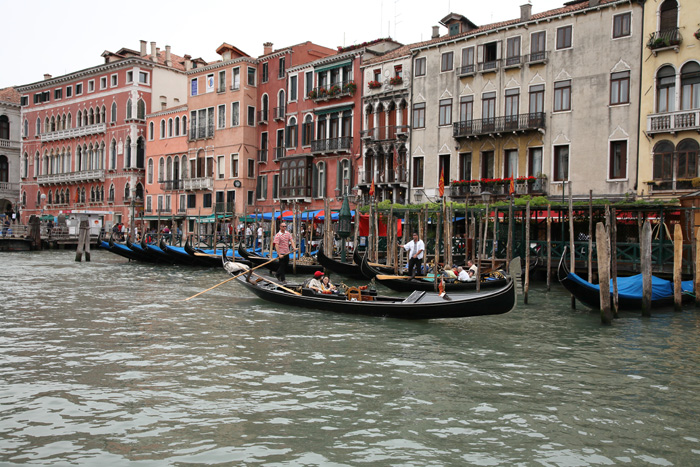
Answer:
(370, 273)
(420, 305)
(140, 253)
(346, 269)
(119, 249)
(212, 258)
(301, 268)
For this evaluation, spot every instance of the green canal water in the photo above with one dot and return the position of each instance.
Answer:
(102, 364)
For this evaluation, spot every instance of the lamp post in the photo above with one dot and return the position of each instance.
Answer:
(344, 219)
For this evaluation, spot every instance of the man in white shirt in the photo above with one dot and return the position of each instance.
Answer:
(260, 237)
(462, 275)
(415, 249)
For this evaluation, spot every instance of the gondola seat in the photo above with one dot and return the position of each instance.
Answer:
(415, 297)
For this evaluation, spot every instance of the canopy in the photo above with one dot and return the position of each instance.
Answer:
(364, 226)
(632, 286)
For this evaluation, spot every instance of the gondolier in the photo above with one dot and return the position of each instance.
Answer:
(282, 242)
(415, 249)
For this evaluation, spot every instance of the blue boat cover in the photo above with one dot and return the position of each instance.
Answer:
(632, 286)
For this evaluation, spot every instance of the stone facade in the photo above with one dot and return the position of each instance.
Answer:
(10, 146)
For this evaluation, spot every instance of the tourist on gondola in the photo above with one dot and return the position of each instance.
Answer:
(415, 248)
(283, 243)
(326, 286)
(472, 267)
(316, 283)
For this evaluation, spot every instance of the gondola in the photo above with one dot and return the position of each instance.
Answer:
(629, 289)
(419, 305)
(118, 249)
(211, 257)
(301, 268)
(406, 284)
(156, 253)
(379, 268)
(180, 255)
(138, 250)
(346, 269)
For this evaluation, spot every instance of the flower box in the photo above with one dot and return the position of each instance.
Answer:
(396, 80)
(374, 84)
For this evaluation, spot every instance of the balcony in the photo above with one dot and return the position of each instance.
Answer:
(171, 185)
(673, 122)
(385, 133)
(670, 186)
(535, 58)
(278, 113)
(262, 156)
(489, 126)
(72, 177)
(9, 144)
(96, 129)
(489, 67)
(279, 152)
(344, 143)
(466, 70)
(225, 207)
(194, 184)
(513, 62)
(536, 186)
(390, 177)
(9, 190)
(262, 117)
(668, 39)
(334, 91)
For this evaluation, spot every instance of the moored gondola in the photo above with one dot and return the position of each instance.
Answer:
(630, 290)
(378, 268)
(212, 257)
(140, 253)
(346, 269)
(301, 268)
(154, 251)
(180, 255)
(419, 305)
(118, 249)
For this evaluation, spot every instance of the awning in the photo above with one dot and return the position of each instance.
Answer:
(340, 108)
(334, 66)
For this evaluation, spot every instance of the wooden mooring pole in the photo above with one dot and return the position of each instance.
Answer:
(645, 253)
(613, 261)
(696, 288)
(603, 255)
(83, 241)
(549, 246)
(571, 241)
(527, 252)
(677, 266)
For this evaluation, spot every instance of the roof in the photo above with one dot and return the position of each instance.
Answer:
(10, 95)
(232, 48)
(178, 62)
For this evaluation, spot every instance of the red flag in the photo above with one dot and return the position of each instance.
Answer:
(371, 189)
(441, 186)
(512, 186)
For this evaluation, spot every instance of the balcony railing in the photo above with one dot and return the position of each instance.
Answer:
(262, 156)
(343, 143)
(262, 116)
(295, 192)
(536, 57)
(278, 113)
(279, 152)
(466, 70)
(74, 132)
(9, 190)
(538, 186)
(333, 91)
(72, 177)
(485, 126)
(491, 65)
(9, 144)
(513, 61)
(171, 185)
(194, 184)
(664, 39)
(384, 133)
(225, 207)
(394, 176)
(673, 122)
(670, 185)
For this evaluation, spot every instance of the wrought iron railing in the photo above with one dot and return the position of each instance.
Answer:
(383, 133)
(536, 57)
(665, 38)
(344, 143)
(488, 66)
(171, 185)
(280, 152)
(483, 126)
(466, 70)
(333, 90)
(262, 116)
(278, 113)
(262, 156)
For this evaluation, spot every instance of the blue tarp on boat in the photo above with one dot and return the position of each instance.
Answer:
(632, 286)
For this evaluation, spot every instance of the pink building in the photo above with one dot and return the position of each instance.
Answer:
(84, 133)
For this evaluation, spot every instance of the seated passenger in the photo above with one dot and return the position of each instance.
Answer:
(326, 286)
(462, 275)
(472, 276)
(315, 283)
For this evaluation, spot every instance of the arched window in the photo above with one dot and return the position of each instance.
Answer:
(69, 123)
(111, 194)
(177, 126)
(161, 170)
(127, 191)
(168, 169)
(141, 109)
(25, 133)
(79, 120)
(666, 89)
(49, 200)
(92, 194)
(82, 196)
(149, 172)
(690, 86)
(183, 168)
(38, 126)
(113, 116)
(47, 127)
(127, 152)
(150, 131)
(78, 159)
(24, 199)
(36, 164)
(264, 108)
(113, 155)
(162, 129)
(103, 115)
(91, 118)
(344, 182)
(668, 15)
(292, 129)
(687, 151)
(319, 180)
(25, 165)
(128, 110)
(170, 128)
(4, 169)
(4, 127)
(139, 191)
(307, 131)
(38, 198)
(663, 160)
(184, 125)
(101, 156)
(280, 100)
(140, 153)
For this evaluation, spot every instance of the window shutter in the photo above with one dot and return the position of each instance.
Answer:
(499, 52)
(314, 182)
(296, 135)
(479, 54)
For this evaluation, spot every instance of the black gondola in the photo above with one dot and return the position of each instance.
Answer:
(118, 249)
(346, 269)
(180, 255)
(419, 305)
(629, 290)
(378, 268)
(156, 253)
(301, 268)
(211, 258)
(141, 254)
(406, 284)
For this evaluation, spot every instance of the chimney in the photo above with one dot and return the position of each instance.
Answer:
(143, 49)
(47, 76)
(188, 62)
(154, 56)
(525, 12)
(267, 48)
(157, 54)
(593, 3)
(168, 59)
(226, 56)
(436, 32)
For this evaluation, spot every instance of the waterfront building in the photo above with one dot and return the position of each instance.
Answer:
(10, 145)
(670, 101)
(550, 96)
(84, 133)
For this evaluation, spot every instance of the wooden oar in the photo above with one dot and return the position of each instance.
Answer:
(382, 277)
(229, 279)
(276, 283)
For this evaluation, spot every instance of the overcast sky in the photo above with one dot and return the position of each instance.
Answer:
(41, 36)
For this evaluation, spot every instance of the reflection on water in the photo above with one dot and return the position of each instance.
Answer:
(102, 362)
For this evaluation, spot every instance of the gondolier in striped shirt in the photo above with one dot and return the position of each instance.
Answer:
(283, 244)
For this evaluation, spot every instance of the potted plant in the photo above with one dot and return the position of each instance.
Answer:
(334, 90)
(374, 84)
(396, 80)
(350, 88)
(312, 94)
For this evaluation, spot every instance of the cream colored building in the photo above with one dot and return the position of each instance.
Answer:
(670, 99)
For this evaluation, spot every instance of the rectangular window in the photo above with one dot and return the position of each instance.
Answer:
(308, 82)
(487, 164)
(537, 46)
(510, 163)
(264, 73)
(251, 168)
(234, 165)
(251, 115)
(536, 99)
(79, 89)
(282, 69)
(618, 160)
(236, 78)
(103, 82)
(466, 108)
(620, 88)
(206, 200)
(444, 168)
(513, 51)
(445, 117)
(91, 85)
(564, 37)
(69, 91)
(446, 62)
(222, 81)
(465, 166)
(417, 171)
(261, 187)
(561, 163)
(193, 86)
(377, 74)
(467, 60)
(235, 114)
(220, 167)
(250, 197)
(275, 186)
(115, 79)
(512, 98)
(562, 96)
(621, 25)
(129, 76)
(251, 76)
(221, 121)
(293, 88)
(419, 115)
(58, 93)
(534, 162)
(143, 77)
(419, 66)
(209, 82)
(488, 107)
